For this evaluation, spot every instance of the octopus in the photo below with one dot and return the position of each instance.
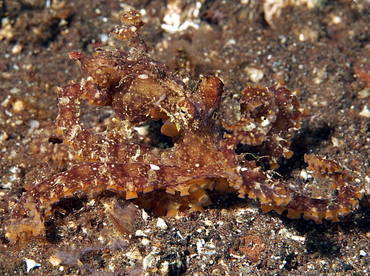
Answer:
(195, 149)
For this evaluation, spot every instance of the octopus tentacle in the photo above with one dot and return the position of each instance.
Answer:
(88, 145)
(35, 206)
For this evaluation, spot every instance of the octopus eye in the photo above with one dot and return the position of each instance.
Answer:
(185, 108)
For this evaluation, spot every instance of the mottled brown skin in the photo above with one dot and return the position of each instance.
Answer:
(203, 157)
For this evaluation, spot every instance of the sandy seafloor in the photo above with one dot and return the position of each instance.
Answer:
(321, 48)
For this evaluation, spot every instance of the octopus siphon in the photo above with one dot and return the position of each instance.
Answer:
(200, 149)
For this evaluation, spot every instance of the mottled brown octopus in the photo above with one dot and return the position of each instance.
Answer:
(203, 156)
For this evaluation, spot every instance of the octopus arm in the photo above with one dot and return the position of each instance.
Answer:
(36, 205)
(318, 209)
(273, 195)
(89, 145)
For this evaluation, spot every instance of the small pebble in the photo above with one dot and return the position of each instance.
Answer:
(161, 223)
(55, 260)
(365, 112)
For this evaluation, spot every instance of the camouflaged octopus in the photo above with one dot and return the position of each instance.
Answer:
(203, 156)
